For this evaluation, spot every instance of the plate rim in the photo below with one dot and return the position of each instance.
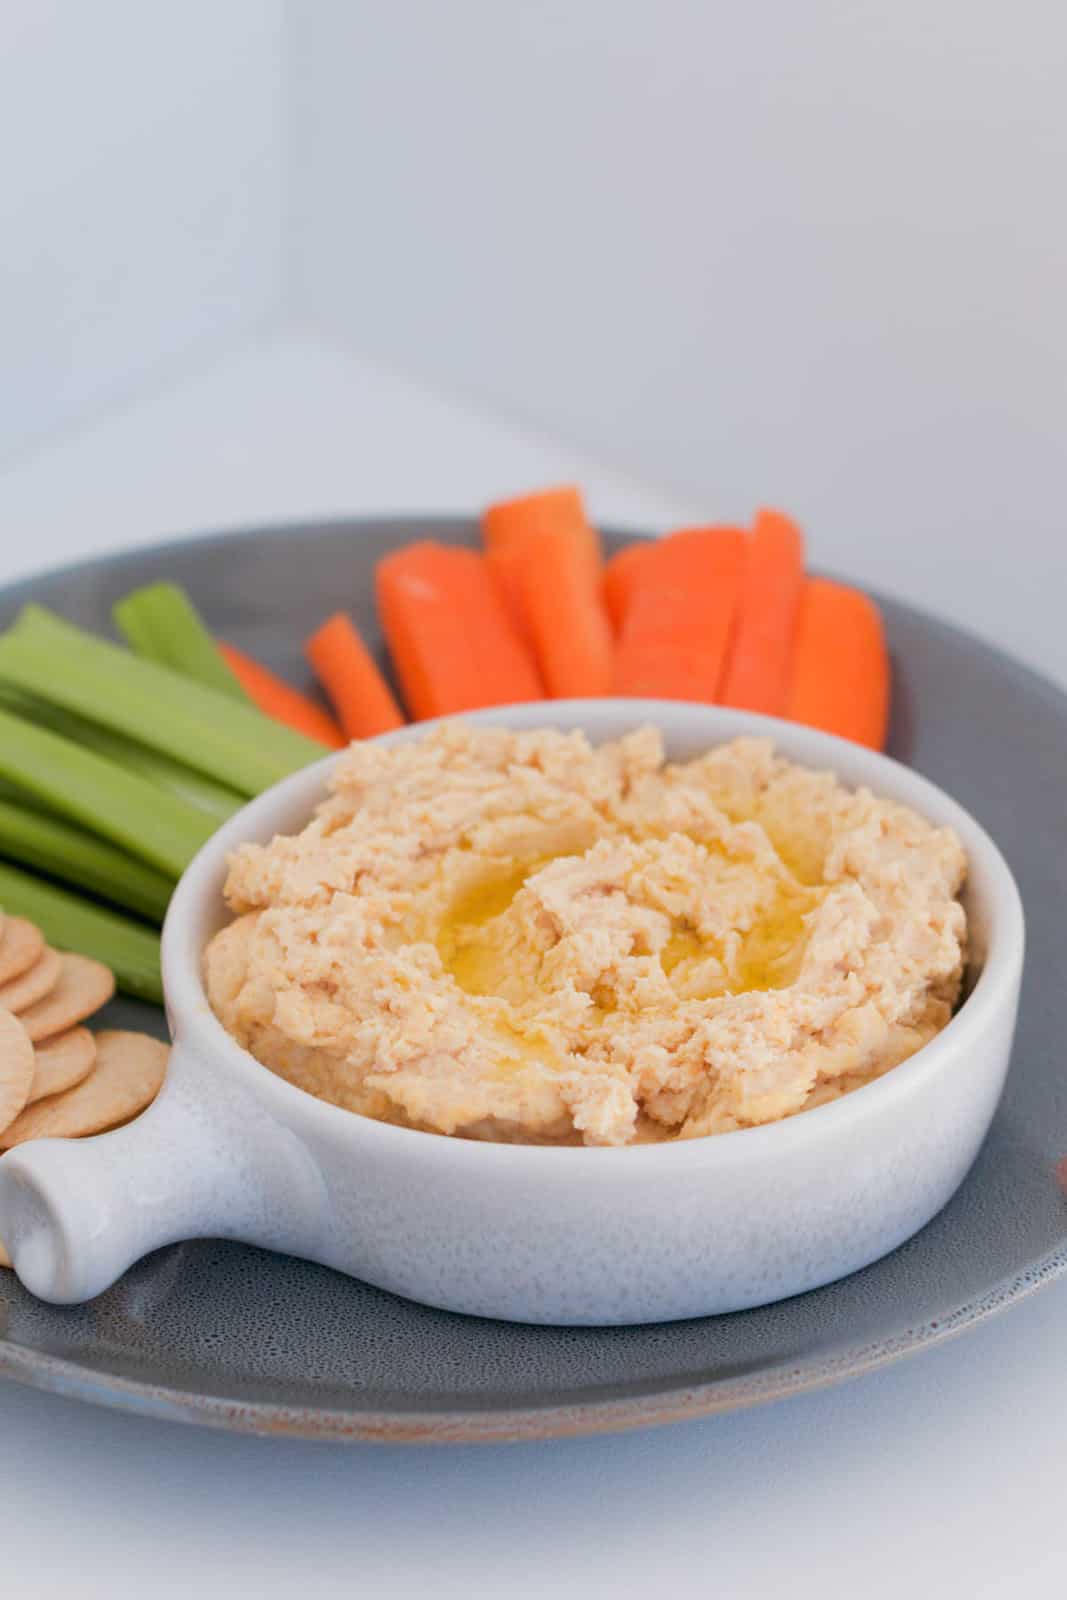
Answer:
(510, 1425)
(76, 1380)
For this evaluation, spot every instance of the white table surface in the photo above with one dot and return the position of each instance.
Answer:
(941, 1475)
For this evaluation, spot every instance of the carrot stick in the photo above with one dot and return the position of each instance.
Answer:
(568, 624)
(511, 522)
(279, 700)
(757, 668)
(621, 577)
(840, 670)
(554, 570)
(453, 643)
(505, 563)
(362, 699)
(677, 625)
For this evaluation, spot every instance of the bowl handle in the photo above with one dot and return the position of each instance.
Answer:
(205, 1160)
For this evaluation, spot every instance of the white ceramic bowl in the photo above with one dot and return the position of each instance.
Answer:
(528, 1233)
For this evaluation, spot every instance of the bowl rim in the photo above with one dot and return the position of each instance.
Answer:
(194, 1024)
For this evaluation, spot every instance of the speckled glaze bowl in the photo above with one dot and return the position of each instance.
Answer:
(526, 1233)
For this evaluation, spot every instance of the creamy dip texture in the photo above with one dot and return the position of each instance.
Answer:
(516, 936)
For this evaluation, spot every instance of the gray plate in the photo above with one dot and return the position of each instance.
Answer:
(216, 1333)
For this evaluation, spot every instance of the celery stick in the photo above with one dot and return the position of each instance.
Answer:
(160, 623)
(36, 839)
(215, 799)
(203, 793)
(129, 948)
(119, 805)
(18, 797)
(153, 705)
(193, 787)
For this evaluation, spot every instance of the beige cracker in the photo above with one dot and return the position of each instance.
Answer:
(61, 1062)
(128, 1075)
(83, 987)
(20, 946)
(35, 983)
(16, 1067)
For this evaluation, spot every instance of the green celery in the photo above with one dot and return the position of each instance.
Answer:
(18, 797)
(203, 793)
(35, 839)
(120, 806)
(160, 623)
(153, 705)
(129, 948)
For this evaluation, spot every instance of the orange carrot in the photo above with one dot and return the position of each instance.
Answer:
(280, 700)
(349, 674)
(840, 670)
(453, 643)
(677, 625)
(511, 522)
(757, 668)
(505, 563)
(621, 577)
(554, 569)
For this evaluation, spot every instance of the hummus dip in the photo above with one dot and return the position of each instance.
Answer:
(516, 936)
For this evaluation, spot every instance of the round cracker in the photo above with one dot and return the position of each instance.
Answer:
(16, 1067)
(38, 981)
(21, 945)
(127, 1077)
(61, 1062)
(84, 986)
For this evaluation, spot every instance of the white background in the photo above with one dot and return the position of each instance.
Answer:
(810, 254)
(699, 256)
(141, 177)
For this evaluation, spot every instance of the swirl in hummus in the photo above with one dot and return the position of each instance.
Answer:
(515, 936)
